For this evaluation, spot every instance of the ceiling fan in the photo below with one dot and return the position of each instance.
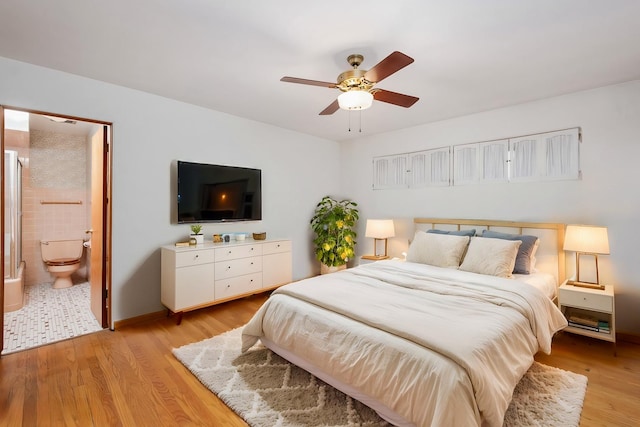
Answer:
(358, 86)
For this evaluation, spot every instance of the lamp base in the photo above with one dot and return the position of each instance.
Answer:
(375, 257)
(586, 285)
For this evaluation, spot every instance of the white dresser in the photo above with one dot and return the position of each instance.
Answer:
(199, 276)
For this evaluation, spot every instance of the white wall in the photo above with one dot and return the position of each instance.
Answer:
(607, 194)
(149, 132)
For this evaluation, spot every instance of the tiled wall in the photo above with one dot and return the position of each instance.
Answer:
(55, 170)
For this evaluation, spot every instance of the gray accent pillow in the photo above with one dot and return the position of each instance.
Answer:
(525, 251)
(470, 233)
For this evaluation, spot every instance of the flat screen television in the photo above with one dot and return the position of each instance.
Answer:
(218, 193)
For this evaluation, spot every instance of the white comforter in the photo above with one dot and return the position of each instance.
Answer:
(437, 346)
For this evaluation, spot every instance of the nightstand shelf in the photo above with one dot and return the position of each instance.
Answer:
(594, 304)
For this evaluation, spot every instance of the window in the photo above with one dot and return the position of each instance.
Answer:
(390, 172)
(429, 168)
(481, 162)
(545, 156)
(494, 161)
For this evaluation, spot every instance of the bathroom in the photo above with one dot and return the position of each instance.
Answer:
(47, 200)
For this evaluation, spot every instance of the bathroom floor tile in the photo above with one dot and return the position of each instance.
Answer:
(49, 315)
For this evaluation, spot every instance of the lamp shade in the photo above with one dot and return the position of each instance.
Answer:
(355, 100)
(380, 228)
(586, 238)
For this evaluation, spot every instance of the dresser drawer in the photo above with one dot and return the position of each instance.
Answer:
(586, 300)
(196, 257)
(276, 247)
(237, 251)
(228, 288)
(238, 267)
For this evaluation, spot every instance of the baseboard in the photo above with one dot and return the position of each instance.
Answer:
(138, 319)
(632, 338)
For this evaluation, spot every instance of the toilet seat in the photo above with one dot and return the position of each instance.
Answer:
(62, 258)
(62, 261)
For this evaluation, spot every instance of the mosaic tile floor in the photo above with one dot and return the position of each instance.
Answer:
(49, 315)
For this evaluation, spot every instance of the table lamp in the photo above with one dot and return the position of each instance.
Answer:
(379, 229)
(586, 240)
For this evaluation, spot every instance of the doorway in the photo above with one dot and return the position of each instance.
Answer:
(65, 165)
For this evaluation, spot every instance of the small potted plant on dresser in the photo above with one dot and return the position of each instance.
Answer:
(334, 222)
(196, 234)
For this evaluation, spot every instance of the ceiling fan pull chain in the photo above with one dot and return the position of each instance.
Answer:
(359, 120)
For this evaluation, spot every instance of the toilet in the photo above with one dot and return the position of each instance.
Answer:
(62, 258)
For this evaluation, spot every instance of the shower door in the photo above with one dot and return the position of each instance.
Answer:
(12, 214)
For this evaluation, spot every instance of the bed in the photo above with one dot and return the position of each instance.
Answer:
(425, 341)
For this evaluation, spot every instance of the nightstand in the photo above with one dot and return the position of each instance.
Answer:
(590, 312)
(367, 259)
(364, 260)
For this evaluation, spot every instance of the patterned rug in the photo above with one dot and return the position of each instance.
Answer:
(266, 390)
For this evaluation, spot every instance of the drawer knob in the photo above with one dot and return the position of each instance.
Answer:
(228, 286)
(229, 252)
(228, 267)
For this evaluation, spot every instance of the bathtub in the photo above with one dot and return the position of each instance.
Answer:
(14, 291)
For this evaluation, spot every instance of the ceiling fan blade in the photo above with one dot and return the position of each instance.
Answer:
(394, 98)
(332, 108)
(389, 65)
(307, 82)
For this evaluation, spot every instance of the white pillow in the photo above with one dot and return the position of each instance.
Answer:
(441, 250)
(495, 257)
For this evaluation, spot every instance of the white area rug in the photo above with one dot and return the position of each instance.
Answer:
(266, 390)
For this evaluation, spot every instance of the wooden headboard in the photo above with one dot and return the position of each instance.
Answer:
(550, 257)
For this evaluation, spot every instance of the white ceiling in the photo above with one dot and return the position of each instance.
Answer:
(470, 55)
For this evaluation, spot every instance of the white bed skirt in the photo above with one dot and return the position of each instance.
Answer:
(383, 411)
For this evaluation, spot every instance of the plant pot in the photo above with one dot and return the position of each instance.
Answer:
(325, 269)
(199, 238)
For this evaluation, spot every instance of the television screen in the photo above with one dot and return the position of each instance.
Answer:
(216, 193)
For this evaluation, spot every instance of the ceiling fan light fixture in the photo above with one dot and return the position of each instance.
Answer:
(355, 100)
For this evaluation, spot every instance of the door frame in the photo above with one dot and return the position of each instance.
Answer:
(107, 152)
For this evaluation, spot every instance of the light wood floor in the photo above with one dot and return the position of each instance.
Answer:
(130, 378)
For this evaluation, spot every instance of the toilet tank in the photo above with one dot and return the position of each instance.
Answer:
(61, 249)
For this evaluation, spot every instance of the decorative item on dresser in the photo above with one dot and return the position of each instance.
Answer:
(379, 229)
(196, 235)
(259, 236)
(212, 273)
(586, 240)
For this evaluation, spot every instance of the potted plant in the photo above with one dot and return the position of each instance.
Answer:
(334, 223)
(195, 233)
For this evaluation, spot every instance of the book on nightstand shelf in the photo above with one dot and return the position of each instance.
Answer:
(603, 326)
(588, 323)
(584, 320)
